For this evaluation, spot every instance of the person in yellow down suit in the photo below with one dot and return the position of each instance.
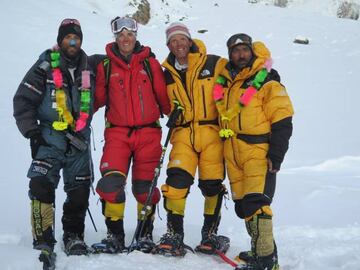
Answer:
(190, 75)
(256, 125)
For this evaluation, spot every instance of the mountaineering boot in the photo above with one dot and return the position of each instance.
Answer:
(269, 262)
(172, 242)
(211, 242)
(144, 238)
(74, 244)
(112, 244)
(42, 215)
(46, 246)
(47, 240)
(249, 256)
(115, 238)
(48, 258)
(245, 256)
(263, 254)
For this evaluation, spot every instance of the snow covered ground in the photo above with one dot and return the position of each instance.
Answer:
(317, 220)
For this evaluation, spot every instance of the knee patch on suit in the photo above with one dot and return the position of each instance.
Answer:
(250, 204)
(210, 187)
(42, 189)
(111, 188)
(179, 178)
(140, 189)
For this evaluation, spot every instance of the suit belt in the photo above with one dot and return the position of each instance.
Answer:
(201, 123)
(254, 139)
(132, 128)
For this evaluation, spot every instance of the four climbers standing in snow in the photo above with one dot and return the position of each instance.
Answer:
(235, 110)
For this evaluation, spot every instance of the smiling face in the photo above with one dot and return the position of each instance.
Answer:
(71, 45)
(180, 45)
(126, 41)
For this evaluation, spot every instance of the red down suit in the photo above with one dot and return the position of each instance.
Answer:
(134, 98)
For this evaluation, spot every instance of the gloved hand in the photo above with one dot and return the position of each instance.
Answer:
(36, 140)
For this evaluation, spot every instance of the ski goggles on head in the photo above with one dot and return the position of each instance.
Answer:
(70, 21)
(237, 39)
(120, 23)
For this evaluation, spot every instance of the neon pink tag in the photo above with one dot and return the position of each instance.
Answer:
(268, 64)
(218, 92)
(57, 77)
(81, 122)
(85, 79)
(247, 96)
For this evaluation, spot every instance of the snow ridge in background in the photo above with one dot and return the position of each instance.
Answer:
(317, 198)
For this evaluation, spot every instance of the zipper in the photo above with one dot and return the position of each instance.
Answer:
(204, 101)
(125, 98)
(239, 116)
(192, 129)
(131, 97)
(141, 102)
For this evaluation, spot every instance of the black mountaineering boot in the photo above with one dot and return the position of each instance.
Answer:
(74, 244)
(113, 243)
(172, 242)
(144, 238)
(211, 242)
(115, 238)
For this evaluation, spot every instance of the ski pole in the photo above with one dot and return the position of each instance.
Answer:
(91, 166)
(92, 220)
(147, 207)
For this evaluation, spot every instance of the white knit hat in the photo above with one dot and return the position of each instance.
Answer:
(176, 28)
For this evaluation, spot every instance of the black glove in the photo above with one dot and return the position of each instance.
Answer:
(171, 123)
(36, 139)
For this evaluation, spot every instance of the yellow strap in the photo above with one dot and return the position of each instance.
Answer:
(62, 108)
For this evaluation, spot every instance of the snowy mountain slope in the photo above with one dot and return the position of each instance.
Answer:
(316, 217)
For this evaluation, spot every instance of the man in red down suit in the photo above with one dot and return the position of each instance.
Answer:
(131, 84)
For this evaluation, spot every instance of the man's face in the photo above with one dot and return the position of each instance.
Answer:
(126, 41)
(241, 55)
(71, 45)
(180, 45)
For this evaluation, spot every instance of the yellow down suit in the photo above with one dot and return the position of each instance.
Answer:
(195, 140)
(258, 131)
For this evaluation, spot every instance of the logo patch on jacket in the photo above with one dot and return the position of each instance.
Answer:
(41, 167)
(176, 162)
(104, 165)
(205, 73)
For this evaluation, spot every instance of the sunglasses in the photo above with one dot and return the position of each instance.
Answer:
(120, 23)
(70, 21)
